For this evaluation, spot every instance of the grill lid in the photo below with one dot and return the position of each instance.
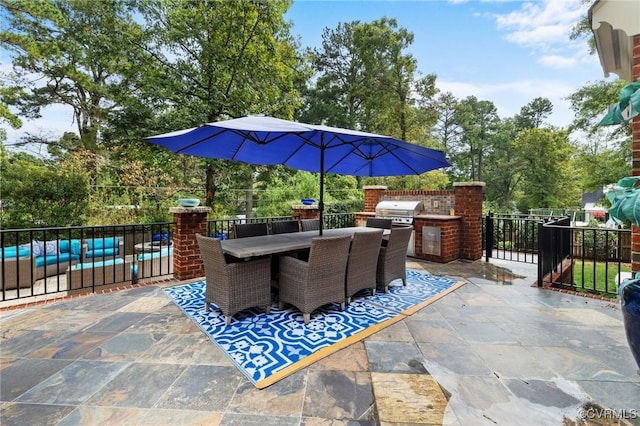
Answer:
(399, 208)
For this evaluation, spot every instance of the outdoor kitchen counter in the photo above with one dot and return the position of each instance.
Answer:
(437, 217)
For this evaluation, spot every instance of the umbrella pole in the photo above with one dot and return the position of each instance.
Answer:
(321, 202)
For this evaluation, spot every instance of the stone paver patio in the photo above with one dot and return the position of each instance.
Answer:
(495, 351)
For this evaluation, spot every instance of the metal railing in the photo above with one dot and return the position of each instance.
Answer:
(68, 268)
(50, 261)
(223, 228)
(584, 259)
(511, 237)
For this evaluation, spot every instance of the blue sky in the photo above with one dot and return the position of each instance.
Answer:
(506, 52)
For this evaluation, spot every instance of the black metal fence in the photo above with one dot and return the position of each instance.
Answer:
(223, 228)
(584, 259)
(46, 262)
(49, 261)
(511, 237)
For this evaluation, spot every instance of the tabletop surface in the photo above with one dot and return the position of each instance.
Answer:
(281, 243)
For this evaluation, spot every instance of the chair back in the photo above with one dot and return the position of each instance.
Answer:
(377, 222)
(310, 224)
(399, 242)
(363, 261)
(285, 226)
(329, 255)
(212, 257)
(242, 230)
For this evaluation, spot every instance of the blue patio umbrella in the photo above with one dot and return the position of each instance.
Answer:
(320, 149)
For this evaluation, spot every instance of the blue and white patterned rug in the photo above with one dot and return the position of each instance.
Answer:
(267, 348)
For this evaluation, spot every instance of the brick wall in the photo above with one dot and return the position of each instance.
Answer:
(469, 207)
(187, 263)
(435, 202)
(372, 196)
(635, 140)
(306, 212)
(450, 232)
(461, 233)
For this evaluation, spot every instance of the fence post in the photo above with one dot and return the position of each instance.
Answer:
(541, 252)
(488, 238)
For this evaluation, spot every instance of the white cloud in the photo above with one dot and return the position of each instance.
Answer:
(56, 120)
(543, 14)
(510, 97)
(543, 26)
(558, 62)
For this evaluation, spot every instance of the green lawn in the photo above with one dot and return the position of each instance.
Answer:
(602, 277)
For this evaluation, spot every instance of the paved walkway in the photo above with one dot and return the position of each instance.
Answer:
(495, 351)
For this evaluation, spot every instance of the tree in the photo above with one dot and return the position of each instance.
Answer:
(478, 121)
(220, 59)
(502, 170)
(37, 193)
(68, 52)
(545, 166)
(365, 80)
(533, 114)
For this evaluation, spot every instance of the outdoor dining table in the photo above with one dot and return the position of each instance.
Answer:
(264, 245)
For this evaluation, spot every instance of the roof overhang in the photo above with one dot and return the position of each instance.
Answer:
(614, 23)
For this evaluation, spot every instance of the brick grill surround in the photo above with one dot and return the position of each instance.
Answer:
(460, 233)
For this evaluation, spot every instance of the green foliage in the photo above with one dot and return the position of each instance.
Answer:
(36, 194)
(180, 63)
(597, 243)
(545, 169)
(77, 48)
(286, 189)
(590, 103)
(597, 278)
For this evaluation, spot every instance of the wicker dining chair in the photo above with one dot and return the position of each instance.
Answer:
(393, 257)
(242, 230)
(309, 285)
(363, 263)
(233, 287)
(285, 226)
(310, 224)
(378, 222)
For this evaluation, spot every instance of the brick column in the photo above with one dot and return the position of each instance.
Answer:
(302, 212)
(468, 196)
(372, 195)
(635, 141)
(188, 221)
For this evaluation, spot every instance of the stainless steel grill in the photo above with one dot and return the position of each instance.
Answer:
(400, 212)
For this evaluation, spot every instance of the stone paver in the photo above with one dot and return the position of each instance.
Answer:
(495, 351)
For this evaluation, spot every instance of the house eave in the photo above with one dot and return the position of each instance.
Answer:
(614, 23)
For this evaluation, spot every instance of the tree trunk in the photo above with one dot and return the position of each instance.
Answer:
(210, 184)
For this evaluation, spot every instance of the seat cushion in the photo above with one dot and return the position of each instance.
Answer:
(102, 243)
(55, 258)
(72, 246)
(102, 252)
(155, 254)
(98, 264)
(13, 252)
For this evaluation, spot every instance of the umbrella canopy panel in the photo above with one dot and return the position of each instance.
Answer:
(321, 149)
(272, 141)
